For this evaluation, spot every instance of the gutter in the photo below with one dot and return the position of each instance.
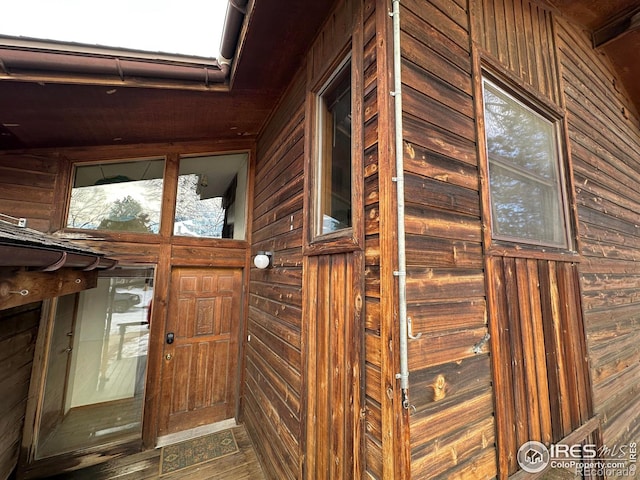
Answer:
(236, 11)
(34, 60)
(49, 260)
(27, 248)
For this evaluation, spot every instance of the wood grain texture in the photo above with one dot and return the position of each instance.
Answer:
(604, 146)
(453, 426)
(535, 316)
(18, 332)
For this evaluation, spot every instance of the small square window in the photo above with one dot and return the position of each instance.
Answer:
(333, 174)
(525, 174)
(125, 196)
(211, 200)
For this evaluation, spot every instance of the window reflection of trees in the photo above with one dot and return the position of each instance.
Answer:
(132, 206)
(523, 171)
(195, 216)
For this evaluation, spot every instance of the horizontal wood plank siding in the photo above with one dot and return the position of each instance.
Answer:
(273, 354)
(18, 332)
(605, 148)
(373, 380)
(452, 426)
(28, 187)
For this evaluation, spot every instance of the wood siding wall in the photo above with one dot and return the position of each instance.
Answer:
(334, 292)
(273, 353)
(27, 189)
(18, 332)
(452, 426)
(605, 145)
(275, 388)
(376, 372)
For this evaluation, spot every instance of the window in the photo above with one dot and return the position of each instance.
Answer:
(124, 196)
(333, 178)
(211, 197)
(525, 176)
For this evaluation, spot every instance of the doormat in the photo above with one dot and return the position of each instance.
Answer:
(198, 450)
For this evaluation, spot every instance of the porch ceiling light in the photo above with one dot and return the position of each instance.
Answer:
(263, 260)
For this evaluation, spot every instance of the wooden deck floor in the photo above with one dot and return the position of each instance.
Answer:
(242, 465)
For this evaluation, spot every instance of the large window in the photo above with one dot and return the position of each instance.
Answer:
(211, 200)
(333, 178)
(525, 174)
(124, 196)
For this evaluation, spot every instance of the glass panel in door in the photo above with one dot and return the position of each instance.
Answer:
(97, 357)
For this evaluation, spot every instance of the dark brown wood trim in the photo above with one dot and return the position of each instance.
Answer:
(395, 435)
(169, 194)
(151, 410)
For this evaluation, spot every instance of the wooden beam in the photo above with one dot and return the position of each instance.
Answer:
(22, 287)
(616, 27)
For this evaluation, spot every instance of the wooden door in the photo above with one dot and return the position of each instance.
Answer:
(200, 364)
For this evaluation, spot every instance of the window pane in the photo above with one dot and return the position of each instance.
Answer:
(524, 178)
(117, 197)
(523, 208)
(96, 365)
(335, 155)
(212, 197)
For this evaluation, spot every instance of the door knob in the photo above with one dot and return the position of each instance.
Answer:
(170, 338)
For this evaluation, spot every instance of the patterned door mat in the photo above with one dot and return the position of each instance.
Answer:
(195, 451)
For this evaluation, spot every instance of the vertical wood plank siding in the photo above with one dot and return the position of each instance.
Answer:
(18, 332)
(452, 426)
(605, 148)
(541, 356)
(519, 34)
(333, 365)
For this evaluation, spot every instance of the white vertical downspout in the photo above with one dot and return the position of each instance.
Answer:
(401, 273)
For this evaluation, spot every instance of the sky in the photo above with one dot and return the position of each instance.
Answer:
(188, 27)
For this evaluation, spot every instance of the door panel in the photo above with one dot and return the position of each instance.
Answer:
(200, 365)
(335, 336)
(541, 375)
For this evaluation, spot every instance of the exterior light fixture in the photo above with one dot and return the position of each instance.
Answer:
(263, 260)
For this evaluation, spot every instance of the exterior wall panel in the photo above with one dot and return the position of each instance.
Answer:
(605, 145)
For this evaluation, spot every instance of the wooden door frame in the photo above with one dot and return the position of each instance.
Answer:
(167, 262)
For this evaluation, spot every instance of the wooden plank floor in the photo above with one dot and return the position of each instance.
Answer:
(242, 465)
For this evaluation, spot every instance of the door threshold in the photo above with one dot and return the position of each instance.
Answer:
(178, 437)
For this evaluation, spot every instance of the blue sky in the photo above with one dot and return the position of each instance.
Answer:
(189, 27)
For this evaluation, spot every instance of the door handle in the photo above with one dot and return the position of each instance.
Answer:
(170, 338)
